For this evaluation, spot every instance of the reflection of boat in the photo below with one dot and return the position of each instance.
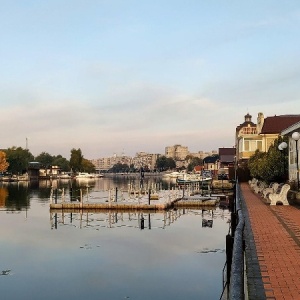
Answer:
(207, 223)
(64, 176)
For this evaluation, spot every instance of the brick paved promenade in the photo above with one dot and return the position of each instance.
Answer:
(272, 248)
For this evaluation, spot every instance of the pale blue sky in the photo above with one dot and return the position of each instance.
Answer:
(110, 75)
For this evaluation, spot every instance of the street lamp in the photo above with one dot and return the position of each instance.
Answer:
(281, 147)
(296, 137)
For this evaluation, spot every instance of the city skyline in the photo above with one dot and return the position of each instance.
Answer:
(104, 76)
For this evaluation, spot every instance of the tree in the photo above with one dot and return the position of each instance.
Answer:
(269, 166)
(120, 168)
(194, 161)
(45, 159)
(62, 162)
(163, 163)
(76, 160)
(18, 159)
(87, 166)
(3, 163)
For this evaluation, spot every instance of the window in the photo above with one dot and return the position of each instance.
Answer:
(259, 145)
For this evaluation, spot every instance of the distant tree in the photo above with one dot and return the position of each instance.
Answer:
(18, 159)
(171, 164)
(120, 168)
(194, 161)
(87, 166)
(45, 159)
(76, 160)
(3, 163)
(62, 162)
(164, 163)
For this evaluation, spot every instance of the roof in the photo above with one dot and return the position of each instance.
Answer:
(211, 159)
(246, 123)
(227, 154)
(227, 151)
(291, 129)
(276, 124)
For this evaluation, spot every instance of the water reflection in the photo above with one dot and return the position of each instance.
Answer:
(132, 219)
(86, 255)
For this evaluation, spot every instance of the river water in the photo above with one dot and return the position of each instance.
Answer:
(107, 255)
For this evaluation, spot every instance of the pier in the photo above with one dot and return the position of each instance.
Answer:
(133, 198)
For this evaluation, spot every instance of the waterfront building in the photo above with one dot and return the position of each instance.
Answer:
(177, 152)
(227, 157)
(251, 137)
(105, 163)
(270, 128)
(203, 154)
(293, 152)
(145, 160)
(247, 139)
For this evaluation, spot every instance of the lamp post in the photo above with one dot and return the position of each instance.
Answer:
(281, 147)
(296, 137)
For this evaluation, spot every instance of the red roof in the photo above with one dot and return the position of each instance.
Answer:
(278, 123)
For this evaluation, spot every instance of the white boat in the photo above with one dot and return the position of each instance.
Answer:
(23, 177)
(84, 175)
(174, 174)
(190, 178)
(98, 175)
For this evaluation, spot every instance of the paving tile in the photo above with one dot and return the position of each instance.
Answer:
(273, 241)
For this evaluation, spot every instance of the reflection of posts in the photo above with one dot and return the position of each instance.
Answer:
(142, 222)
(149, 222)
(296, 137)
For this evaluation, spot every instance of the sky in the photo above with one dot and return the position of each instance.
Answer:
(116, 76)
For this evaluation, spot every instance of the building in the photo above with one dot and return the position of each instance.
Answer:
(141, 159)
(145, 160)
(177, 152)
(251, 137)
(227, 157)
(270, 128)
(202, 154)
(247, 139)
(293, 152)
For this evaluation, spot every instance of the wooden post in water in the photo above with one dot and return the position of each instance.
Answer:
(116, 195)
(149, 196)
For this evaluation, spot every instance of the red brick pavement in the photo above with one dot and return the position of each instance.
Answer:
(276, 231)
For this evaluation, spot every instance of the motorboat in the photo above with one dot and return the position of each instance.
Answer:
(84, 175)
(191, 178)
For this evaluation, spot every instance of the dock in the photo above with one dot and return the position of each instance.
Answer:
(153, 200)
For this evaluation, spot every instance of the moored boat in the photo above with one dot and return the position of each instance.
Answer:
(84, 175)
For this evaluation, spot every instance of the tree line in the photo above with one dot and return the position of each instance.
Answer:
(15, 160)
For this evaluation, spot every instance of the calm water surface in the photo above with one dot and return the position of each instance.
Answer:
(106, 255)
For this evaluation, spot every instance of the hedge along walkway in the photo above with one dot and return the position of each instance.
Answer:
(276, 233)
